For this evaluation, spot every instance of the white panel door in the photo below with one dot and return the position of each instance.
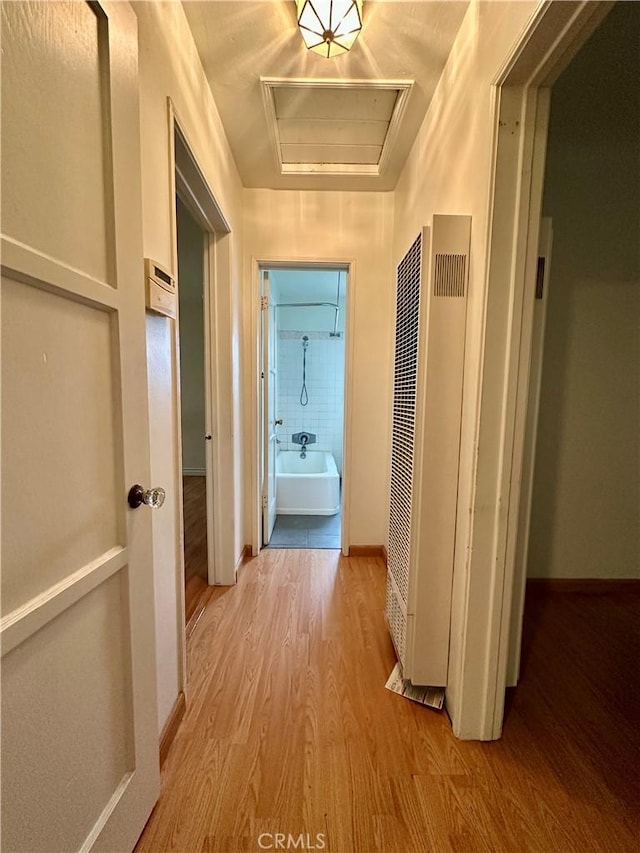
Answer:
(269, 410)
(79, 726)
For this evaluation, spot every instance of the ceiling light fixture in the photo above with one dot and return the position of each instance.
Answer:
(329, 27)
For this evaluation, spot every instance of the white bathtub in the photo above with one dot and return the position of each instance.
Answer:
(308, 486)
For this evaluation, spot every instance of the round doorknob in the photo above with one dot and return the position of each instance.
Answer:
(279, 422)
(153, 498)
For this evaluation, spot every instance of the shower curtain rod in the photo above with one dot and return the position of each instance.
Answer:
(307, 305)
(334, 305)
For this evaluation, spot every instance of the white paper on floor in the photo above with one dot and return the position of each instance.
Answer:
(431, 696)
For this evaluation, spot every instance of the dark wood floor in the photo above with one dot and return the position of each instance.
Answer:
(195, 542)
(289, 728)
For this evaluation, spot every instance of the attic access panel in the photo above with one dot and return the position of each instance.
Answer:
(334, 127)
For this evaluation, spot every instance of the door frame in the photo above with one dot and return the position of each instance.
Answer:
(267, 399)
(188, 182)
(208, 247)
(257, 415)
(482, 636)
(533, 386)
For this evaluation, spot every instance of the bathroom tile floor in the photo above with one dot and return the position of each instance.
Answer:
(306, 531)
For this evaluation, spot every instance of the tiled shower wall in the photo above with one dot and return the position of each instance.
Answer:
(323, 415)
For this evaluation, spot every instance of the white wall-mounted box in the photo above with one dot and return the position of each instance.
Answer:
(160, 287)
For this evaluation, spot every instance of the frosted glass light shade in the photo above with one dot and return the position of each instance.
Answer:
(329, 27)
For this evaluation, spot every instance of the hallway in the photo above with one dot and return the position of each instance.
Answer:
(289, 728)
(115, 115)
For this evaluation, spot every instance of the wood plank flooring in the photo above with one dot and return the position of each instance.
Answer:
(289, 728)
(195, 542)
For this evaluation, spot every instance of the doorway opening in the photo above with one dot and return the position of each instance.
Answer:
(578, 515)
(201, 244)
(192, 251)
(303, 405)
(520, 109)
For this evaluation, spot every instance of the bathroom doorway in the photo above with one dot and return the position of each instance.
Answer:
(302, 373)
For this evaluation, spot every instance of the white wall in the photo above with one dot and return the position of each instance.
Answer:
(169, 67)
(329, 226)
(586, 496)
(190, 284)
(449, 171)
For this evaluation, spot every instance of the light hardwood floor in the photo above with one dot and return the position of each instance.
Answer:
(289, 728)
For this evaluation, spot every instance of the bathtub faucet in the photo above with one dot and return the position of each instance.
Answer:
(303, 439)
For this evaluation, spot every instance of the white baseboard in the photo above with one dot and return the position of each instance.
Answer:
(193, 472)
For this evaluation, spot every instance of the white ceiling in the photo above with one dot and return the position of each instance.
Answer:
(240, 41)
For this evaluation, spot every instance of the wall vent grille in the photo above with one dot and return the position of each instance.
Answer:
(450, 275)
(397, 621)
(430, 336)
(402, 438)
